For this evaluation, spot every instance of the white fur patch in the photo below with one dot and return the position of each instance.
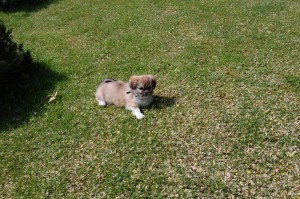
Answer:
(101, 103)
(144, 101)
(137, 113)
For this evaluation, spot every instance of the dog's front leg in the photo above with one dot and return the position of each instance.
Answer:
(137, 112)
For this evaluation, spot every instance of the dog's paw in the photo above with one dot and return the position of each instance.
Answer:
(101, 103)
(137, 112)
(140, 116)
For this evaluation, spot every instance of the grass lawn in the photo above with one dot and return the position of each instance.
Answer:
(226, 117)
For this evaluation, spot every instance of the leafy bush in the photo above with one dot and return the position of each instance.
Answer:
(6, 4)
(14, 60)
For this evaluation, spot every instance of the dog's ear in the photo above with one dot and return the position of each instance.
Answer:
(153, 81)
(133, 82)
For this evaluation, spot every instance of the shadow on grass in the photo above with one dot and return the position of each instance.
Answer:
(161, 102)
(26, 5)
(22, 97)
(294, 81)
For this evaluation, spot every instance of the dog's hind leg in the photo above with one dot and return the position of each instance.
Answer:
(100, 98)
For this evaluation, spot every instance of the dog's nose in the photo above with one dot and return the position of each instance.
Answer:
(146, 92)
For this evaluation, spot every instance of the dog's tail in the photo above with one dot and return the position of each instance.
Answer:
(107, 81)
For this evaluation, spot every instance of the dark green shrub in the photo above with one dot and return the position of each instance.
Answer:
(14, 60)
(8, 4)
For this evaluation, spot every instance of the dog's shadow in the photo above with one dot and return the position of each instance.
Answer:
(162, 102)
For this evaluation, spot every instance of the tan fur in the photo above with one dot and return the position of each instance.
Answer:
(112, 93)
(130, 95)
(144, 80)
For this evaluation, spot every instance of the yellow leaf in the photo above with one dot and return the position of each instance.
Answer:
(52, 97)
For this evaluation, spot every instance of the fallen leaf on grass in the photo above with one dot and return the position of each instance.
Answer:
(52, 97)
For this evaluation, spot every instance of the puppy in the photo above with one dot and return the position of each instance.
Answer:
(138, 92)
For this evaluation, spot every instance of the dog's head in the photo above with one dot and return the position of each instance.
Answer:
(142, 85)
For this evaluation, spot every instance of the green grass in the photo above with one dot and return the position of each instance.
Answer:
(225, 122)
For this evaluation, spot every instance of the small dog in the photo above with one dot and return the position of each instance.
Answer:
(138, 92)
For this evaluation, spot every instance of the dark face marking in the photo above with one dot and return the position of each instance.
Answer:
(143, 90)
(142, 85)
